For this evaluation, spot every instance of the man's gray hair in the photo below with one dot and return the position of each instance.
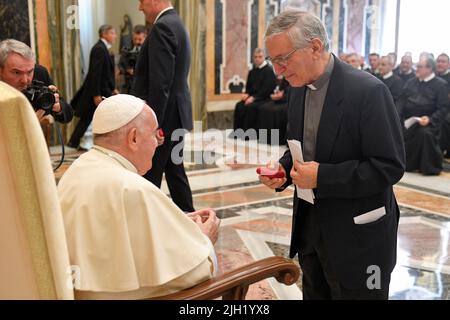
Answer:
(258, 50)
(13, 46)
(430, 63)
(103, 29)
(300, 26)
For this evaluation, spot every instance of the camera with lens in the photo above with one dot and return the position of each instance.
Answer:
(130, 57)
(40, 97)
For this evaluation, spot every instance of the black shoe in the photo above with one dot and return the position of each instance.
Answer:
(70, 145)
(81, 149)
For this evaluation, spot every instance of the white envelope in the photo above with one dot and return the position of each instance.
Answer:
(297, 155)
(411, 121)
(371, 216)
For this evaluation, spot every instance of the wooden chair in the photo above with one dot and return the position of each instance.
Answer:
(34, 260)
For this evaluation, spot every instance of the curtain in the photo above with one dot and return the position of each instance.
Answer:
(64, 33)
(193, 14)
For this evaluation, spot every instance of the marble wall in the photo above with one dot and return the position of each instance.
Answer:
(239, 25)
(15, 21)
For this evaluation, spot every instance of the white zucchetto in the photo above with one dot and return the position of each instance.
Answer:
(115, 112)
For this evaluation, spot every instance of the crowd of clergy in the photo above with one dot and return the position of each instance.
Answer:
(421, 93)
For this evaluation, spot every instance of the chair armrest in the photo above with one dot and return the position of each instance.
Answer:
(234, 285)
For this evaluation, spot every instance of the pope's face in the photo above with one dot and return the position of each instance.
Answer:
(147, 142)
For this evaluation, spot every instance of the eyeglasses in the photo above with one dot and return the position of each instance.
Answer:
(282, 61)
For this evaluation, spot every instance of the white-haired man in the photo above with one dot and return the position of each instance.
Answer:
(18, 68)
(129, 240)
(354, 153)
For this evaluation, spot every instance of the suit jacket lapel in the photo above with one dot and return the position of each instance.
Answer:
(331, 115)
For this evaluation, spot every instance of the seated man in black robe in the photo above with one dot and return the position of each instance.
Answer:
(259, 87)
(443, 71)
(391, 80)
(424, 98)
(272, 117)
(405, 70)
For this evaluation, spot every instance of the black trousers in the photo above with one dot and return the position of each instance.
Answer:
(176, 178)
(423, 152)
(79, 131)
(321, 283)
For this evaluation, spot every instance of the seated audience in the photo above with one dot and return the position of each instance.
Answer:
(259, 87)
(353, 60)
(391, 80)
(425, 97)
(128, 239)
(443, 71)
(443, 67)
(405, 70)
(273, 115)
(374, 62)
(18, 68)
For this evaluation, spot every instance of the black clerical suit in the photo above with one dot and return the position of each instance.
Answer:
(420, 98)
(100, 81)
(361, 155)
(260, 85)
(405, 76)
(445, 127)
(395, 85)
(272, 116)
(161, 79)
(66, 115)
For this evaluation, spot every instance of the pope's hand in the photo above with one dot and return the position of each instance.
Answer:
(208, 223)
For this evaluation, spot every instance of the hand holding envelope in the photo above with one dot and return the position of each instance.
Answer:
(297, 156)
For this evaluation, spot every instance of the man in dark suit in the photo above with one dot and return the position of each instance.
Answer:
(353, 152)
(100, 82)
(18, 68)
(161, 79)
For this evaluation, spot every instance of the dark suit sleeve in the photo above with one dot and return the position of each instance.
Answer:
(267, 86)
(66, 114)
(96, 65)
(443, 106)
(161, 57)
(382, 160)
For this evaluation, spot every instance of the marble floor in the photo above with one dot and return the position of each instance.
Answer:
(256, 222)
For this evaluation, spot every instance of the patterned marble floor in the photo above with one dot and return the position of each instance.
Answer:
(257, 221)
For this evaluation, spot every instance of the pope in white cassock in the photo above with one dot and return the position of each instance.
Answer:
(125, 236)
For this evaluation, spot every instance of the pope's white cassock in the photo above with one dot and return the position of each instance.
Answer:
(127, 239)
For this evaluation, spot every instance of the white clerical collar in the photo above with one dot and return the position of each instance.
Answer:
(431, 77)
(324, 78)
(107, 44)
(446, 72)
(262, 65)
(388, 75)
(117, 157)
(162, 12)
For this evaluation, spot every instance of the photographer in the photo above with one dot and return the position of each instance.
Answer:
(18, 68)
(129, 57)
